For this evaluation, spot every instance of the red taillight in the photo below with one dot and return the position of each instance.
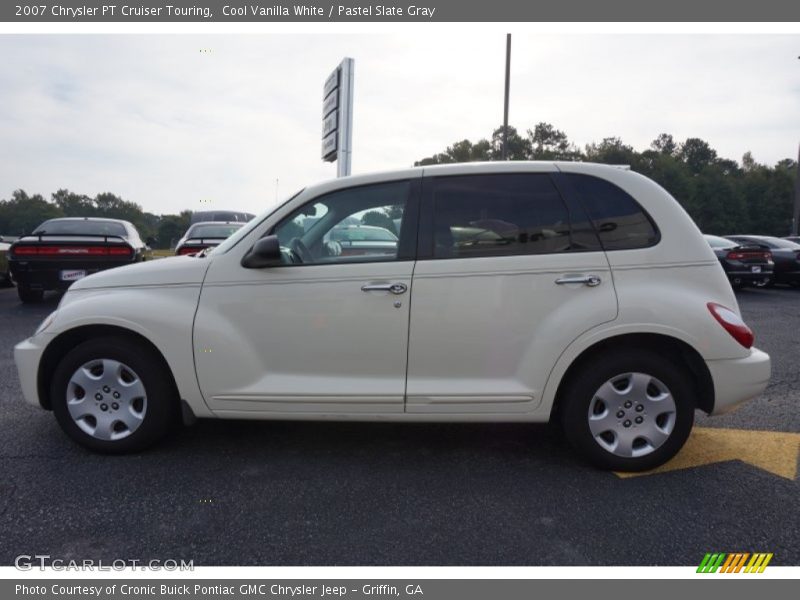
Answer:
(73, 251)
(737, 255)
(190, 250)
(732, 323)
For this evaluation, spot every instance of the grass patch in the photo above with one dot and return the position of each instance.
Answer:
(163, 253)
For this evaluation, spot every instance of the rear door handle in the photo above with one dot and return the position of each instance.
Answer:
(590, 280)
(394, 288)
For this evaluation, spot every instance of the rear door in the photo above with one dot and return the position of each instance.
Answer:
(509, 273)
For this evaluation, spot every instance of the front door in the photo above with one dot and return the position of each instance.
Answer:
(327, 331)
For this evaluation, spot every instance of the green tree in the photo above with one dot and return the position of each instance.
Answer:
(463, 151)
(22, 213)
(697, 154)
(519, 148)
(548, 143)
(720, 194)
(664, 144)
(73, 205)
(171, 228)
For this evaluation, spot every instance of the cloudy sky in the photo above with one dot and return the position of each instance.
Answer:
(157, 121)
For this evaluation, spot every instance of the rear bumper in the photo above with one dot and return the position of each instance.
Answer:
(749, 275)
(738, 380)
(47, 276)
(27, 355)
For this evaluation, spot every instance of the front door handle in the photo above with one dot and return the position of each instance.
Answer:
(394, 288)
(590, 280)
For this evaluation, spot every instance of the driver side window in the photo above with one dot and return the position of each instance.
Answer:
(360, 224)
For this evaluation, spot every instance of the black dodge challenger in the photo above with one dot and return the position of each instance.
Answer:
(61, 251)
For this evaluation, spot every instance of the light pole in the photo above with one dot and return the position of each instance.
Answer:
(505, 108)
(796, 212)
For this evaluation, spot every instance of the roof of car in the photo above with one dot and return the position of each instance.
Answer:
(468, 168)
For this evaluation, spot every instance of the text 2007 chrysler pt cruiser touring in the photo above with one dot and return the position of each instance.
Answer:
(511, 292)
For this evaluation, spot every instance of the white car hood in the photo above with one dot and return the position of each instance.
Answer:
(175, 270)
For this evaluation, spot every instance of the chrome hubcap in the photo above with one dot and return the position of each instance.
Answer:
(632, 415)
(106, 399)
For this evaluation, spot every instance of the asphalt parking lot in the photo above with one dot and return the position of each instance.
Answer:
(281, 493)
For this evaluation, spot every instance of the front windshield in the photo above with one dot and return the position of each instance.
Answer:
(251, 225)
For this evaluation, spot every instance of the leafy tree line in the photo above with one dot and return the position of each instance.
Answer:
(722, 195)
(23, 213)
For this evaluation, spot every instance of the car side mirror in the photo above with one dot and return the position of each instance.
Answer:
(266, 252)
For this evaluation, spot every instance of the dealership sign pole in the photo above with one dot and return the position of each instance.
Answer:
(337, 117)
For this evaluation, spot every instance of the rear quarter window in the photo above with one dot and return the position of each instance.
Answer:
(621, 223)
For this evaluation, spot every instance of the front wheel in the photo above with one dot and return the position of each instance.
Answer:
(113, 395)
(629, 410)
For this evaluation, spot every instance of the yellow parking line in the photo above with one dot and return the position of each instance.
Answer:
(772, 451)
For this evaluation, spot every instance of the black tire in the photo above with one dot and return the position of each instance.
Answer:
(586, 382)
(161, 397)
(6, 281)
(28, 296)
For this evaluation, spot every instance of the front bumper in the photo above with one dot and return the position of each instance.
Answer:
(27, 355)
(738, 380)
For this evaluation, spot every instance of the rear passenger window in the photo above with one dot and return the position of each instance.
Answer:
(496, 215)
(620, 222)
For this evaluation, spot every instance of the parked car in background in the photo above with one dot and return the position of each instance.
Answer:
(204, 235)
(360, 240)
(225, 216)
(743, 264)
(619, 336)
(62, 251)
(785, 255)
(5, 273)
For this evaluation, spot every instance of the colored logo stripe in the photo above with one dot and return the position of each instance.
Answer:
(758, 563)
(734, 562)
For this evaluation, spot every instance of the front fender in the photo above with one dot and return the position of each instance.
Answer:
(164, 315)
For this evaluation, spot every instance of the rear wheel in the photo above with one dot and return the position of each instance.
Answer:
(112, 395)
(629, 410)
(27, 295)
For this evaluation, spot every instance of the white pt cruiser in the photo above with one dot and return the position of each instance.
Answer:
(514, 291)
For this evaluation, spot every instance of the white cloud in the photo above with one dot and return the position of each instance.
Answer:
(159, 122)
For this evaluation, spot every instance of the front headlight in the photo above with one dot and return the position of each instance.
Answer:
(46, 323)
